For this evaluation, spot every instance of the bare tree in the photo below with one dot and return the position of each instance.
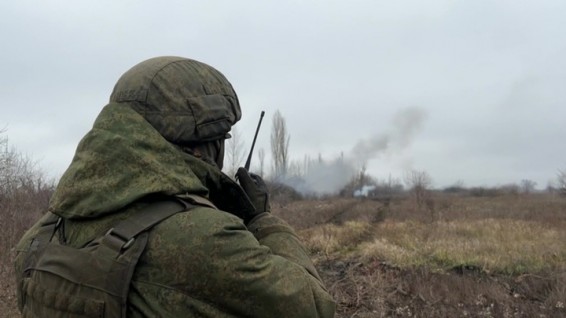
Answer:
(551, 187)
(528, 186)
(561, 182)
(279, 145)
(295, 169)
(235, 152)
(419, 182)
(261, 155)
(4, 159)
(24, 196)
(387, 189)
(307, 163)
(16, 169)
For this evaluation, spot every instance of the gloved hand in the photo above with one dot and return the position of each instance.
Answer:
(256, 189)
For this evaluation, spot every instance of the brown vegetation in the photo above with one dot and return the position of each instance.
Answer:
(462, 256)
(24, 197)
(497, 256)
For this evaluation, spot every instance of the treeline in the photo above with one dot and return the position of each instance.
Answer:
(346, 175)
(24, 196)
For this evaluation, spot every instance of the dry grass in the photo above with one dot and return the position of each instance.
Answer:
(492, 245)
(469, 257)
(332, 240)
(460, 257)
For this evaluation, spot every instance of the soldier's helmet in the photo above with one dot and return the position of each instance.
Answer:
(185, 100)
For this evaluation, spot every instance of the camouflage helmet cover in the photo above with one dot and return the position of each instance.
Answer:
(186, 101)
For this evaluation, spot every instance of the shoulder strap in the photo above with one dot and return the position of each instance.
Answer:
(123, 234)
(198, 200)
(94, 281)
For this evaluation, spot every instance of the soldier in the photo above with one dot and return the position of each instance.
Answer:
(144, 224)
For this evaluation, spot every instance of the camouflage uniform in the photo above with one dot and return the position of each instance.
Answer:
(204, 262)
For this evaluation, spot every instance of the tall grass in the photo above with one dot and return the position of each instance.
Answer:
(510, 235)
(336, 240)
(474, 257)
(492, 245)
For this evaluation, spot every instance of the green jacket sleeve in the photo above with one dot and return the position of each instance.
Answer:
(211, 262)
(276, 234)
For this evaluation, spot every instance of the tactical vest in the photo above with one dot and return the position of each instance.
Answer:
(92, 281)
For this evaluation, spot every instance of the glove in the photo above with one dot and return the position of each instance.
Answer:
(256, 189)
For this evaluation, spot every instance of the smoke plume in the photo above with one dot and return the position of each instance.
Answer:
(405, 125)
(330, 176)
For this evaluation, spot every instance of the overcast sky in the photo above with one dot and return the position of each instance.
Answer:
(487, 79)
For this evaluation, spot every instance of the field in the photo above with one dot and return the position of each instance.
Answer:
(460, 256)
(455, 256)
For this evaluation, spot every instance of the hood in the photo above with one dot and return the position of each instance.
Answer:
(123, 158)
(185, 100)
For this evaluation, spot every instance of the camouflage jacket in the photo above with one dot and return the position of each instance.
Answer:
(202, 263)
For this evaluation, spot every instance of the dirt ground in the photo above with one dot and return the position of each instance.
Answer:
(377, 289)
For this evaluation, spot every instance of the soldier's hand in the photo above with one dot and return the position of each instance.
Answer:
(256, 189)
